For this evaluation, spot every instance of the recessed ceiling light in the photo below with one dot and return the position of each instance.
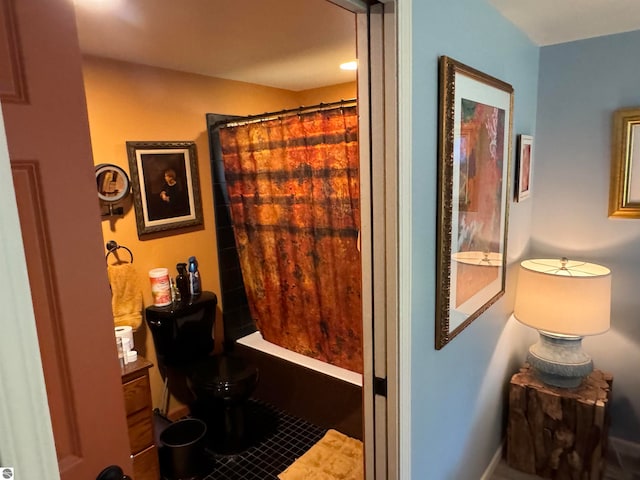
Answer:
(353, 65)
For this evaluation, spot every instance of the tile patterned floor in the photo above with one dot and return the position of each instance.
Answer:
(283, 438)
(278, 448)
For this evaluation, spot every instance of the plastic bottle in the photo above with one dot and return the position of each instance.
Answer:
(194, 277)
(182, 281)
(176, 296)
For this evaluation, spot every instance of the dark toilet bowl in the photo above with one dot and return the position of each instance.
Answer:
(224, 382)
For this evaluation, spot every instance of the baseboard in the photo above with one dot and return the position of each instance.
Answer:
(626, 453)
(178, 412)
(495, 461)
(625, 446)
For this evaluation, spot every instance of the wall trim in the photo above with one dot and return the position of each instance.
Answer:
(626, 452)
(623, 450)
(405, 189)
(625, 446)
(493, 464)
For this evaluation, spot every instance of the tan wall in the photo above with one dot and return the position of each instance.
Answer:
(128, 102)
(334, 93)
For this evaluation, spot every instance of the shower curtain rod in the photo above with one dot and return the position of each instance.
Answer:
(237, 121)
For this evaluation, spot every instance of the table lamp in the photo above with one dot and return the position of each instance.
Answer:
(564, 300)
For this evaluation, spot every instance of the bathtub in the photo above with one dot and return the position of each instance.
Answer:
(323, 394)
(256, 342)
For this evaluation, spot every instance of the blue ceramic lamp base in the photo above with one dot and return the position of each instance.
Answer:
(558, 360)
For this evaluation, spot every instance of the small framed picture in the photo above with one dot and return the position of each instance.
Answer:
(524, 168)
(165, 184)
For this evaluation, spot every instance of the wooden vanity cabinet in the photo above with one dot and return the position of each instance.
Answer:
(137, 399)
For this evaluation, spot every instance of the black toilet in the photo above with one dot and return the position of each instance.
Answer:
(221, 384)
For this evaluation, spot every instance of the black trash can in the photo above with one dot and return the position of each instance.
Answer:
(182, 455)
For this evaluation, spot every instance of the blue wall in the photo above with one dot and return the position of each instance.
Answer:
(581, 84)
(458, 394)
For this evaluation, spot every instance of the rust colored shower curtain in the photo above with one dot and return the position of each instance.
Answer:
(293, 186)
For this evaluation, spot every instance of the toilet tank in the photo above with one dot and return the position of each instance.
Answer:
(183, 333)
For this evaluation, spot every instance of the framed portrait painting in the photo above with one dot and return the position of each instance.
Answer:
(165, 184)
(475, 123)
(524, 168)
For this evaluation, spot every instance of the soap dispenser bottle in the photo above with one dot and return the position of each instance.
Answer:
(182, 281)
(176, 296)
(194, 277)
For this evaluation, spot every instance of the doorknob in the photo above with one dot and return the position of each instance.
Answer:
(113, 472)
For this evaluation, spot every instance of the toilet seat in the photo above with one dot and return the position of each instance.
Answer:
(224, 377)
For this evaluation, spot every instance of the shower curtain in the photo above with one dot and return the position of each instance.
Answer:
(293, 185)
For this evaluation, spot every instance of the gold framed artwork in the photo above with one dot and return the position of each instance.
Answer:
(475, 124)
(624, 190)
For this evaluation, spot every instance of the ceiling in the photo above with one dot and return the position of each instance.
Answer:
(294, 44)
(290, 44)
(548, 22)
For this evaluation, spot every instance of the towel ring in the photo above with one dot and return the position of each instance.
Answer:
(113, 247)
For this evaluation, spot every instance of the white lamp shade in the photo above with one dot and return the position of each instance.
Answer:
(564, 297)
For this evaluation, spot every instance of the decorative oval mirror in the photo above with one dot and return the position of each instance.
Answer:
(112, 182)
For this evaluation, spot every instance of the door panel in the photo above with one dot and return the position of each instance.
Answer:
(35, 237)
(12, 82)
(49, 149)
(379, 182)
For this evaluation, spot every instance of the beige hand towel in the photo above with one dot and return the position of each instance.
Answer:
(335, 456)
(126, 295)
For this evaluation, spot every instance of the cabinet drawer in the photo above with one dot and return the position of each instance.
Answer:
(145, 465)
(137, 394)
(140, 430)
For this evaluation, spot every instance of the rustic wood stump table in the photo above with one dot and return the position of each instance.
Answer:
(555, 432)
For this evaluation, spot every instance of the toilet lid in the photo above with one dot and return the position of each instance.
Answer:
(223, 371)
